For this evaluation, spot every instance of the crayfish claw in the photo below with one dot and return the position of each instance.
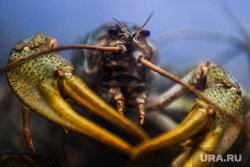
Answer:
(73, 87)
(40, 81)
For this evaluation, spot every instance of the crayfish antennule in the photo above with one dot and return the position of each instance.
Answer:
(124, 28)
(138, 32)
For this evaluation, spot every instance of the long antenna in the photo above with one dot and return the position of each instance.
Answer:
(66, 47)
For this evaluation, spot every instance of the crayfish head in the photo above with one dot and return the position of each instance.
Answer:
(137, 41)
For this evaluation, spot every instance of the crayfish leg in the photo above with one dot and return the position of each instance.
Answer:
(119, 99)
(141, 106)
(26, 111)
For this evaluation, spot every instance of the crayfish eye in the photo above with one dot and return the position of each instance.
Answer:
(113, 31)
(145, 33)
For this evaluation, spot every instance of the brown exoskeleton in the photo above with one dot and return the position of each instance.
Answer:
(122, 61)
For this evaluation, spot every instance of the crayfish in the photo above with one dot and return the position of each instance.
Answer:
(119, 63)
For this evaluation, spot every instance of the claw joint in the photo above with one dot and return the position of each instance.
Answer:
(64, 72)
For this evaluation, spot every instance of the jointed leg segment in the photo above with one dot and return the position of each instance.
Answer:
(26, 111)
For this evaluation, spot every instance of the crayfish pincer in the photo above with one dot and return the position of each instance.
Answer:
(220, 124)
(41, 83)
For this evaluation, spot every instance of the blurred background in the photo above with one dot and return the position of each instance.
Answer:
(67, 20)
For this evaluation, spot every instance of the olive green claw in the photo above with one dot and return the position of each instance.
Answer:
(40, 83)
(220, 128)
